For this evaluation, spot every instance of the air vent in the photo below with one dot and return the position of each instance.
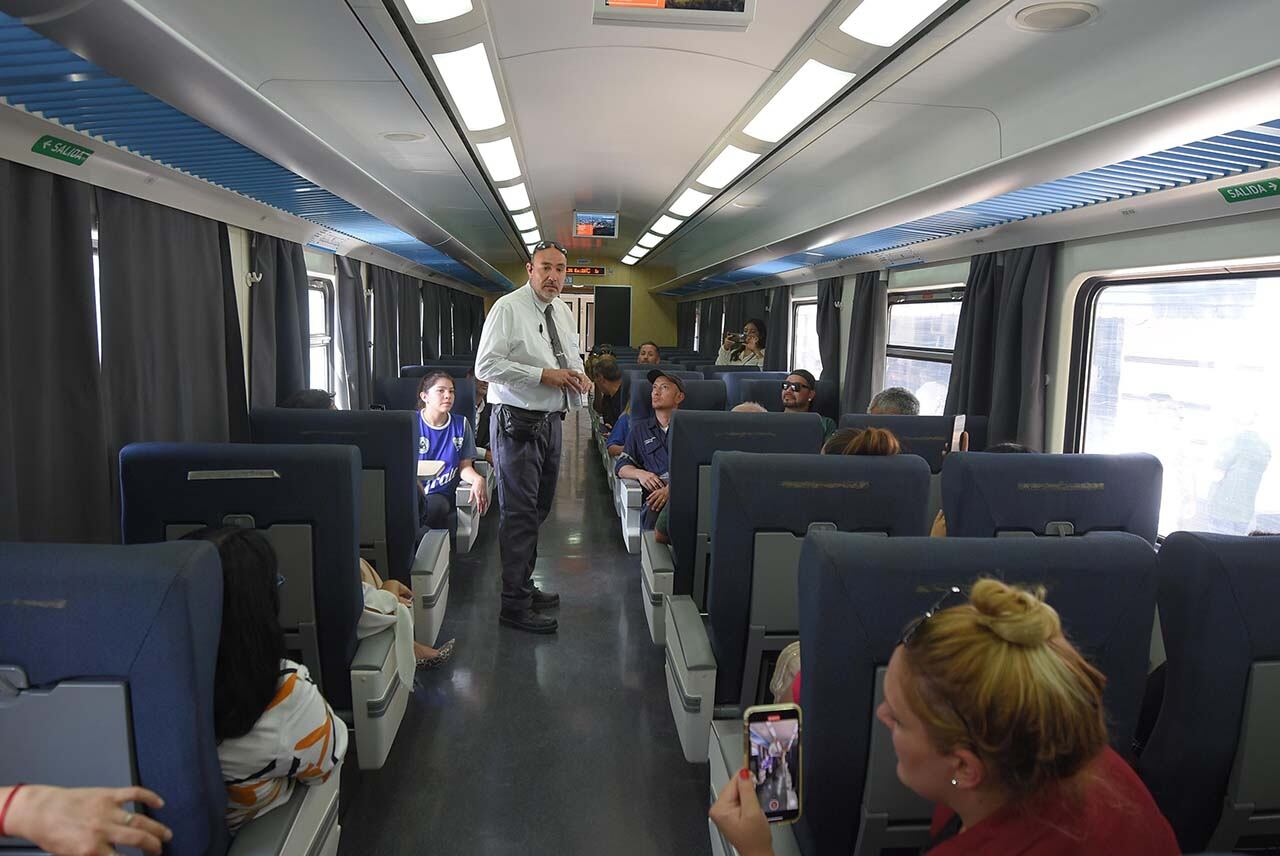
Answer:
(1054, 17)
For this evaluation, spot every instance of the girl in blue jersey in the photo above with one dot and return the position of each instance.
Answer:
(445, 436)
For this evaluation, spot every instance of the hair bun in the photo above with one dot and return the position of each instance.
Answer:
(1017, 615)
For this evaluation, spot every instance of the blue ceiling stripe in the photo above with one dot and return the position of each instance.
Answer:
(1235, 153)
(44, 78)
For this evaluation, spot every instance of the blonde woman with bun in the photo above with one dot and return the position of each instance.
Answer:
(999, 721)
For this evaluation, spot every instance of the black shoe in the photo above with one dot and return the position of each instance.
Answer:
(545, 600)
(527, 619)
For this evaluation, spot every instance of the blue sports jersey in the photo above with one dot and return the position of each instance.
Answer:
(452, 444)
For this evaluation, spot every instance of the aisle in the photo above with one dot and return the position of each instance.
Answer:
(533, 745)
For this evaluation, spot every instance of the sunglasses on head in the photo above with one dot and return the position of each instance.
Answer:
(795, 387)
(915, 625)
(547, 245)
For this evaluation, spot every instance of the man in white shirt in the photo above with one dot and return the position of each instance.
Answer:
(529, 355)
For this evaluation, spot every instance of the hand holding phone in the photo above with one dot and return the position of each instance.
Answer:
(771, 740)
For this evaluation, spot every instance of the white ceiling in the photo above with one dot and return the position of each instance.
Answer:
(612, 117)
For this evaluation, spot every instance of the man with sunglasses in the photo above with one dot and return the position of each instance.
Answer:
(799, 391)
(529, 355)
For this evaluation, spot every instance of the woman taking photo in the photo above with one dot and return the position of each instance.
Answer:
(998, 721)
(747, 350)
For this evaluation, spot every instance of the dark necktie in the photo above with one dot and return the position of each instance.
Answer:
(555, 345)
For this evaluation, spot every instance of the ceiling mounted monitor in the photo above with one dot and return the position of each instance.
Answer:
(588, 224)
(698, 14)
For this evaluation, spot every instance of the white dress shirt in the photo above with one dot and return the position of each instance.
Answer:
(515, 347)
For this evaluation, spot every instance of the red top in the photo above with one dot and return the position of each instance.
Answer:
(1118, 816)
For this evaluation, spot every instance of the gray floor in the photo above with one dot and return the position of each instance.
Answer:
(530, 744)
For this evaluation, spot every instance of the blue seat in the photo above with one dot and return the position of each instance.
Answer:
(142, 623)
(714, 371)
(733, 384)
(984, 495)
(765, 391)
(699, 394)
(926, 436)
(388, 444)
(630, 368)
(856, 596)
(458, 370)
(401, 393)
(1211, 760)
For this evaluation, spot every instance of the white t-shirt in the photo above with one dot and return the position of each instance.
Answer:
(297, 738)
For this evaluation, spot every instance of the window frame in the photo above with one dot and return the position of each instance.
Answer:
(323, 283)
(933, 294)
(792, 327)
(1085, 315)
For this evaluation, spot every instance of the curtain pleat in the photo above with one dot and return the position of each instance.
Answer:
(55, 482)
(386, 322)
(279, 323)
(868, 333)
(776, 356)
(237, 394)
(445, 304)
(829, 326)
(709, 329)
(998, 367)
(409, 308)
(352, 317)
(431, 321)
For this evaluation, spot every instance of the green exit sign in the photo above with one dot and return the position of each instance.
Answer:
(63, 150)
(1252, 190)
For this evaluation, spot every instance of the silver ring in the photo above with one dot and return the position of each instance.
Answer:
(128, 818)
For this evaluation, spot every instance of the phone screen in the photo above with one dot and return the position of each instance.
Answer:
(773, 759)
(957, 429)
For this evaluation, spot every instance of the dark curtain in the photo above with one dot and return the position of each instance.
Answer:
(684, 325)
(477, 322)
(755, 304)
(776, 356)
(445, 303)
(409, 308)
(237, 393)
(462, 307)
(54, 478)
(733, 316)
(829, 326)
(868, 333)
(998, 368)
(386, 317)
(431, 321)
(709, 327)
(164, 341)
(352, 315)
(279, 324)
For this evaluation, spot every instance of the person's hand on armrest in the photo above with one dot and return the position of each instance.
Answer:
(658, 498)
(648, 480)
(402, 592)
(479, 488)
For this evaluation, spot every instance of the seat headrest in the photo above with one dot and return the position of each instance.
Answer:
(149, 616)
(698, 395)
(984, 494)
(714, 371)
(458, 370)
(766, 392)
(857, 595)
(401, 393)
(926, 436)
(734, 381)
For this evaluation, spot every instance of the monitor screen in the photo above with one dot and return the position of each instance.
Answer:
(697, 5)
(588, 224)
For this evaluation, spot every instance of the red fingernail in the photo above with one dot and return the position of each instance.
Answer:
(744, 773)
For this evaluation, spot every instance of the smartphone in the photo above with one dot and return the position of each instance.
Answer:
(771, 742)
(957, 429)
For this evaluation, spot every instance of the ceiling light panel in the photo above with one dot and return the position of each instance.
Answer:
(650, 240)
(806, 91)
(500, 159)
(531, 238)
(689, 202)
(886, 22)
(515, 197)
(665, 225)
(435, 11)
(727, 166)
(629, 260)
(638, 251)
(469, 79)
(526, 221)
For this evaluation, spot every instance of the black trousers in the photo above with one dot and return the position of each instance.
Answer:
(434, 510)
(527, 474)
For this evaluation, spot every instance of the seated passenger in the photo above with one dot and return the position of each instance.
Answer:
(607, 401)
(747, 350)
(272, 725)
(648, 354)
(799, 392)
(599, 351)
(445, 436)
(999, 722)
(484, 412)
(310, 399)
(894, 401)
(862, 441)
(645, 457)
(727, 343)
(939, 528)
(660, 525)
(617, 440)
(73, 821)
(390, 602)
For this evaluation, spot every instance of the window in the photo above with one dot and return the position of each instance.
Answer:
(805, 353)
(921, 341)
(320, 315)
(1186, 369)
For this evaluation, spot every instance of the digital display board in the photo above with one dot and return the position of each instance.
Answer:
(585, 270)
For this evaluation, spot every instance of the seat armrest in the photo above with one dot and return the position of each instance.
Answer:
(373, 651)
(687, 633)
(463, 495)
(632, 493)
(655, 557)
(297, 828)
